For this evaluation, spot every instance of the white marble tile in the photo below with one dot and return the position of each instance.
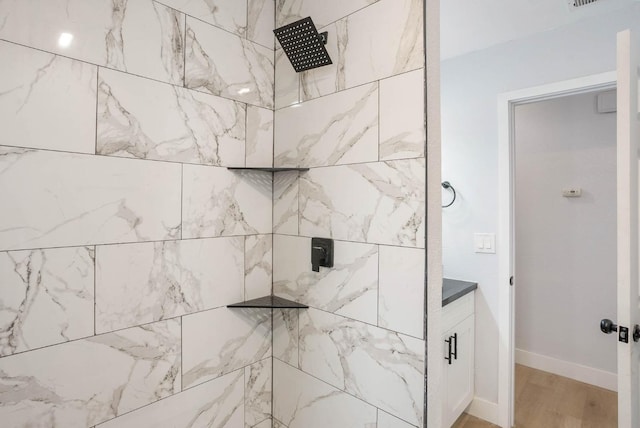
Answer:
(217, 403)
(258, 393)
(287, 84)
(145, 119)
(46, 101)
(285, 335)
(219, 341)
(219, 202)
(350, 288)
(258, 270)
(382, 202)
(267, 423)
(143, 283)
(301, 401)
(259, 151)
(402, 284)
(285, 202)
(47, 297)
(141, 37)
(227, 65)
(278, 424)
(323, 13)
(379, 41)
(261, 17)
(337, 129)
(402, 116)
(61, 199)
(228, 14)
(385, 420)
(383, 368)
(85, 382)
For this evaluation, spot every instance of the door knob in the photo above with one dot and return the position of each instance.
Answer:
(607, 326)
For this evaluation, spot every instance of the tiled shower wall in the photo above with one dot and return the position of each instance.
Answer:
(355, 358)
(122, 234)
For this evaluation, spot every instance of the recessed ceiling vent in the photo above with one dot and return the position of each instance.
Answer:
(578, 3)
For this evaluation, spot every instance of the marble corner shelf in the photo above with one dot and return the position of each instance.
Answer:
(274, 302)
(265, 169)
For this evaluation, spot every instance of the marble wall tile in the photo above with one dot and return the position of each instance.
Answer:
(258, 268)
(267, 423)
(402, 116)
(143, 283)
(385, 420)
(278, 424)
(141, 37)
(381, 202)
(301, 401)
(258, 393)
(217, 403)
(220, 341)
(350, 288)
(219, 202)
(145, 119)
(323, 13)
(223, 64)
(61, 199)
(402, 285)
(261, 17)
(285, 202)
(40, 95)
(228, 14)
(361, 55)
(287, 84)
(285, 335)
(85, 382)
(259, 151)
(338, 129)
(46, 297)
(384, 368)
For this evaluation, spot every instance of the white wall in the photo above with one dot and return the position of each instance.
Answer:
(470, 86)
(565, 247)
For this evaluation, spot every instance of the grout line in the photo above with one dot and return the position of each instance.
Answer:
(181, 203)
(184, 55)
(181, 355)
(95, 291)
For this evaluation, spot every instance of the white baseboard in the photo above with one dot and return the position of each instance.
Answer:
(483, 409)
(568, 369)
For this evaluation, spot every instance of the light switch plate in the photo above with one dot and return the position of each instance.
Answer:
(484, 243)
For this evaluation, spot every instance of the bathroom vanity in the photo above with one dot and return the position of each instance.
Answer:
(458, 335)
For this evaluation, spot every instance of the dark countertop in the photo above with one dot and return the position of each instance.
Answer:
(453, 289)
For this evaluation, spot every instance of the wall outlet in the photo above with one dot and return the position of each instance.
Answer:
(484, 243)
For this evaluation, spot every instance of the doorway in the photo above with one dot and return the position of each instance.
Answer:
(508, 104)
(564, 260)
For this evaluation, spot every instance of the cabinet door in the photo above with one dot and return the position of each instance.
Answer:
(459, 375)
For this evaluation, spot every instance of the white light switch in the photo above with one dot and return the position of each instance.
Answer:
(484, 242)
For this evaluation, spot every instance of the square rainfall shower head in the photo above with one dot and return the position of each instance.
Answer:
(303, 45)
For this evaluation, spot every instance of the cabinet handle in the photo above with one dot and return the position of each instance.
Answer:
(455, 346)
(449, 341)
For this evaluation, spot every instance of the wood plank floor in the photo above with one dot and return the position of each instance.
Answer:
(545, 400)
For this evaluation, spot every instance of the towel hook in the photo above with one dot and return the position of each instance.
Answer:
(447, 185)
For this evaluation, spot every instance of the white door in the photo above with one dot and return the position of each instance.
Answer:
(628, 232)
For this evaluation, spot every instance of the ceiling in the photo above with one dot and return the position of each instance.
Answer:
(472, 25)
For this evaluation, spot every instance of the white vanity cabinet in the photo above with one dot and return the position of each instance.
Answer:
(458, 324)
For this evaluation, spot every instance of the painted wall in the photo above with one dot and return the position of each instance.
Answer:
(565, 247)
(122, 234)
(470, 86)
(356, 356)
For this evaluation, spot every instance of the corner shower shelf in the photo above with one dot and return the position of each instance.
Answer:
(273, 302)
(266, 169)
